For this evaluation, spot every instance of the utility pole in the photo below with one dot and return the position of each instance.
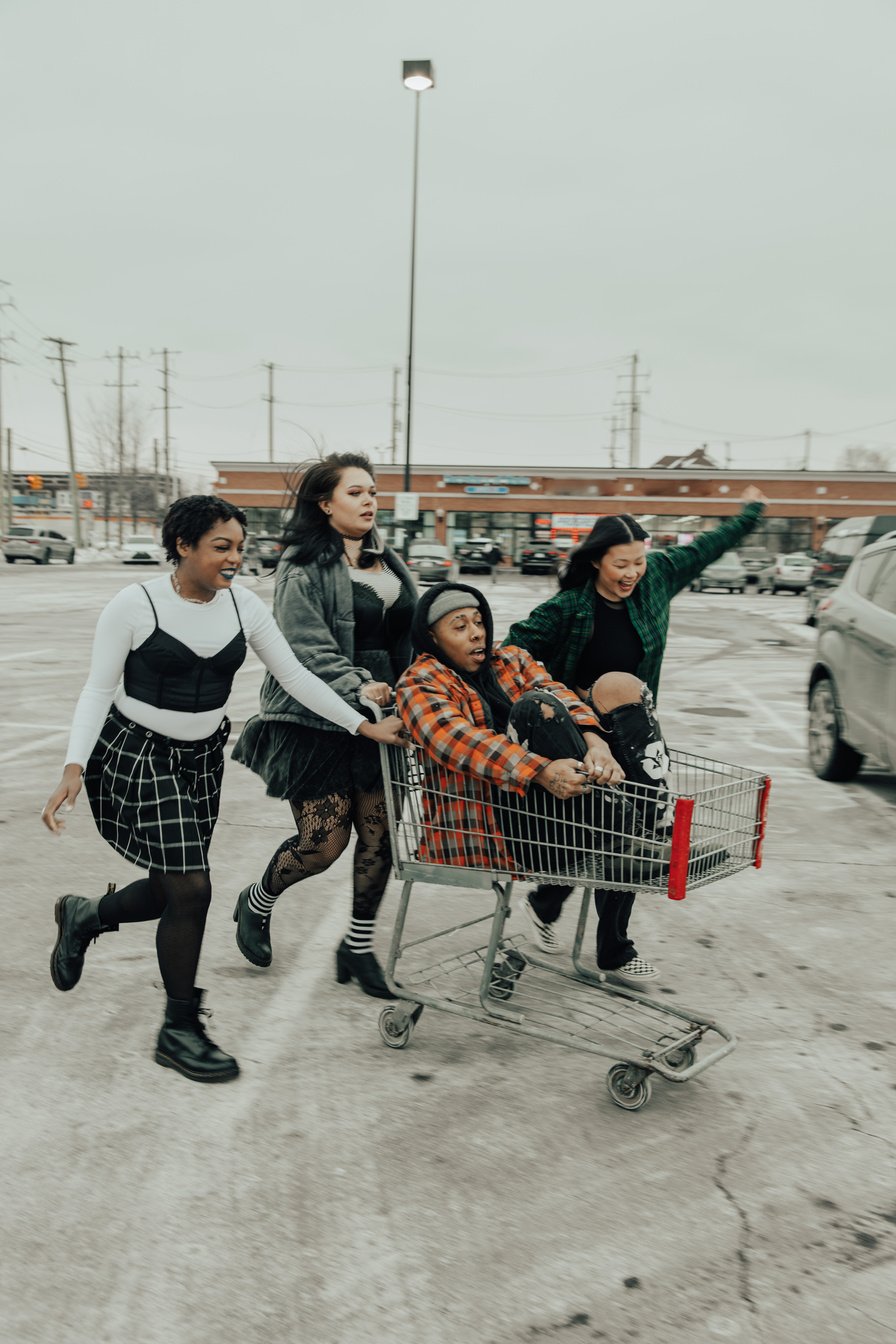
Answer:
(614, 428)
(8, 466)
(121, 357)
(72, 475)
(270, 401)
(166, 410)
(396, 423)
(807, 448)
(5, 499)
(634, 423)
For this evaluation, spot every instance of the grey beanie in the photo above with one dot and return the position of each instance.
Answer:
(452, 599)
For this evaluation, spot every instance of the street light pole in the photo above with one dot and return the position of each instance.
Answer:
(417, 76)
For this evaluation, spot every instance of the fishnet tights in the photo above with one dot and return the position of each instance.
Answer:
(323, 830)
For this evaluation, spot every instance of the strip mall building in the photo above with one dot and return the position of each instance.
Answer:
(457, 502)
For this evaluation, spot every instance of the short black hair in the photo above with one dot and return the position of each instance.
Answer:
(190, 518)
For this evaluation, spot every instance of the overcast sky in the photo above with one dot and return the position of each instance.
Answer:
(708, 184)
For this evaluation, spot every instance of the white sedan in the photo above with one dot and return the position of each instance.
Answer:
(142, 550)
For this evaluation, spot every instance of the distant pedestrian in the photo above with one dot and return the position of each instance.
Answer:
(148, 741)
(344, 602)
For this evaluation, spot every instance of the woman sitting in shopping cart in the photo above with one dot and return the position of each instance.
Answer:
(491, 716)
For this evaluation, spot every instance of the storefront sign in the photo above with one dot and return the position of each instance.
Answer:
(486, 490)
(487, 480)
(407, 507)
(576, 521)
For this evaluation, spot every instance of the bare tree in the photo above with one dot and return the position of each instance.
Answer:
(859, 458)
(139, 495)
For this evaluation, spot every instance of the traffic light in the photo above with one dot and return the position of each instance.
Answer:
(81, 480)
(35, 482)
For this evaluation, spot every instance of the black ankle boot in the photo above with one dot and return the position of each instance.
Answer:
(183, 1044)
(365, 968)
(253, 932)
(79, 925)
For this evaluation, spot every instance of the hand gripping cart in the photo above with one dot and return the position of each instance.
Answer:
(473, 835)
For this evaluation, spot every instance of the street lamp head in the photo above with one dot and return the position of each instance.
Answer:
(418, 75)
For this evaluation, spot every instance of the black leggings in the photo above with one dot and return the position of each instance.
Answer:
(179, 901)
(323, 831)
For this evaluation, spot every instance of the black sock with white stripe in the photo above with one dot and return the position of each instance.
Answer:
(260, 901)
(360, 936)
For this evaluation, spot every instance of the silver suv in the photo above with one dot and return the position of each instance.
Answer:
(852, 689)
(40, 544)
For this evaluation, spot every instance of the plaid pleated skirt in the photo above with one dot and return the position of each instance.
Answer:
(155, 799)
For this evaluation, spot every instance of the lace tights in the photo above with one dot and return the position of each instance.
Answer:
(323, 831)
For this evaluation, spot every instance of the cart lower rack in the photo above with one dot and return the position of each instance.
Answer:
(707, 824)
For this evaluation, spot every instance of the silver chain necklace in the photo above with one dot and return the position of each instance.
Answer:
(197, 601)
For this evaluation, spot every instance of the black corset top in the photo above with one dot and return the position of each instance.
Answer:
(168, 674)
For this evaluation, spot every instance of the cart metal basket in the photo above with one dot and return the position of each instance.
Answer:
(707, 824)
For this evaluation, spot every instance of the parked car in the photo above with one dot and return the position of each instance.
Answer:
(39, 544)
(852, 686)
(726, 572)
(755, 559)
(788, 574)
(843, 541)
(430, 561)
(475, 556)
(142, 549)
(260, 552)
(540, 557)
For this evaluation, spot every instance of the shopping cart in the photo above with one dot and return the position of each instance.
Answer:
(472, 835)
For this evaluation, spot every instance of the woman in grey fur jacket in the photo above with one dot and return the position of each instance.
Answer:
(344, 603)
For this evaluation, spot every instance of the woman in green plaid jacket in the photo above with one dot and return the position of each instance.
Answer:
(610, 616)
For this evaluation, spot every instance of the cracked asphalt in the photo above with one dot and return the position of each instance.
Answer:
(477, 1186)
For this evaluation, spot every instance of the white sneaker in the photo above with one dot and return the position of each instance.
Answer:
(543, 935)
(635, 973)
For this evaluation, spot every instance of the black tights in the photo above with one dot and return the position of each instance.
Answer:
(179, 901)
(323, 830)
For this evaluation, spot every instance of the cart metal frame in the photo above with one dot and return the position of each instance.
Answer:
(715, 822)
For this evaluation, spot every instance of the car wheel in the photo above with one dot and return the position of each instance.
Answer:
(10, 559)
(829, 756)
(71, 558)
(43, 559)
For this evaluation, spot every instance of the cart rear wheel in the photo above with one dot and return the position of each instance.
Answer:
(630, 1095)
(682, 1059)
(395, 1034)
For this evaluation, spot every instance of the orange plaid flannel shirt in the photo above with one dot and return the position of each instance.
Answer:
(466, 762)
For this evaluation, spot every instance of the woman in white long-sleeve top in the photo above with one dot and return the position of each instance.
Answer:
(147, 742)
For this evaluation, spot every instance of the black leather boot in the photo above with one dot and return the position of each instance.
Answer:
(79, 925)
(253, 932)
(183, 1044)
(363, 967)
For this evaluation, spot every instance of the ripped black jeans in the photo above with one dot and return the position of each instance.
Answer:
(636, 741)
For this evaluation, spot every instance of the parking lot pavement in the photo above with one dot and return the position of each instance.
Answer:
(478, 1186)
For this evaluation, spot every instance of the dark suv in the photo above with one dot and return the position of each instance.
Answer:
(843, 541)
(539, 557)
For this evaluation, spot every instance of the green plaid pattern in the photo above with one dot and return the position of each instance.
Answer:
(557, 631)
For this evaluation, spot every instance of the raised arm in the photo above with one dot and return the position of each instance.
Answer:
(682, 564)
(543, 630)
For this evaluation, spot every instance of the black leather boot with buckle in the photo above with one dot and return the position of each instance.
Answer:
(79, 925)
(184, 1045)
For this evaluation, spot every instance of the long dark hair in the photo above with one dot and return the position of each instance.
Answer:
(308, 535)
(614, 530)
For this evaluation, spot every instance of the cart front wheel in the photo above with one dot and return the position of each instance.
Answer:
(395, 1034)
(681, 1059)
(631, 1093)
